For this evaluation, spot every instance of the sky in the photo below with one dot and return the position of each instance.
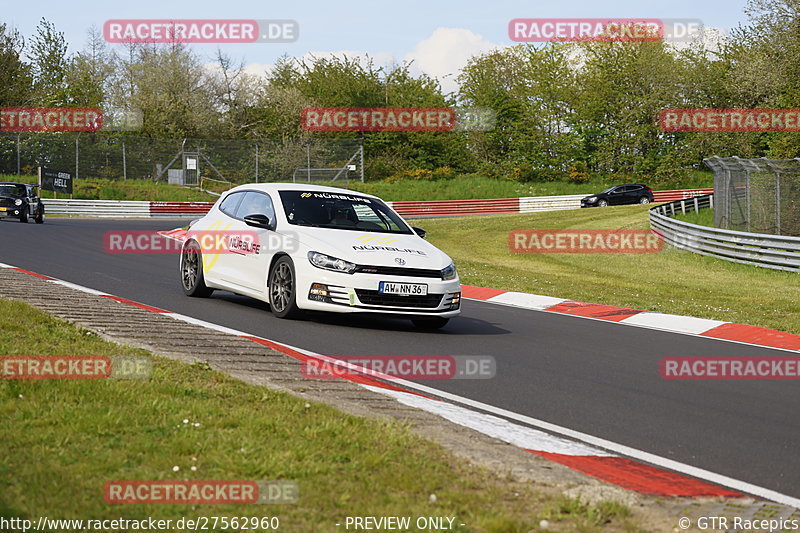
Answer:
(438, 35)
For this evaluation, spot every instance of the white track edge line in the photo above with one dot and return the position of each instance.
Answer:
(647, 457)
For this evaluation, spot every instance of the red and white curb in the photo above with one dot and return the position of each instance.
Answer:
(605, 460)
(704, 327)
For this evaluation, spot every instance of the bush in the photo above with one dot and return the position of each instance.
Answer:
(578, 173)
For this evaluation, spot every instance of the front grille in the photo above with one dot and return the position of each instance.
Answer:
(394, 300)
(399, 271)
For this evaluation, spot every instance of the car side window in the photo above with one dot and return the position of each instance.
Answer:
(256, 203)
(229, 204)
(633, 188)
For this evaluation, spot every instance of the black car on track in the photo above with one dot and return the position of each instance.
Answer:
(630, 193)
(20, 201)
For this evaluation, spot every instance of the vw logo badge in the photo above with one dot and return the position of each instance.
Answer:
(399, 260)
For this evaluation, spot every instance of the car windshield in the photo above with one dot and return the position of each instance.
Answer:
(11, 189)
(340, 211)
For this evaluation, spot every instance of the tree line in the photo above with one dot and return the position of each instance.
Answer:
(564, 110)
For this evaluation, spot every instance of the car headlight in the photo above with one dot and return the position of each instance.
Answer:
(591, 199)
(17, 202)
(331, 263)
(449, 272)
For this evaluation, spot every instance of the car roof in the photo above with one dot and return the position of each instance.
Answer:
(16, 183)
(275, 187)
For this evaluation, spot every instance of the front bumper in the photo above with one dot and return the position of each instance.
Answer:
(358, 293)
(13, 211)
(584, 203)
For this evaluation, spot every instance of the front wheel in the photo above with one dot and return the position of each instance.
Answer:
(282, 289)
(430, 323)
(23, 215)
(39, 219)
(192, 279)
(644, 200)
(603, 203)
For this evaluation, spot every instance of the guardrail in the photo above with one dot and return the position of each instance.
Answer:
(528, 204)
(97, 208)
(779, 252)
(434, 208)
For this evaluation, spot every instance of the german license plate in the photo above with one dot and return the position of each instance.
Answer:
(403, 289)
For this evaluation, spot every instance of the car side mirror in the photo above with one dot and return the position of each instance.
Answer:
(419, 231)
(258, 221)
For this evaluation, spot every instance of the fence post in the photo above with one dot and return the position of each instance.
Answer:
(361, 165)
(308, 161)
(696, 205)
(124, 163)
(18, 151)
(76, 154)
(778, 203)
(683, 206)
(747, 191)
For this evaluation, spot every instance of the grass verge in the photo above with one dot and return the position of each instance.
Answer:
(670, 281)
(64, 439)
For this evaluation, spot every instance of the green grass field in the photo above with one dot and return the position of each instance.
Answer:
(670, 281)
(64, 439)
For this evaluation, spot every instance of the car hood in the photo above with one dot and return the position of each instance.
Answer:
(9, 197)
(368, 248)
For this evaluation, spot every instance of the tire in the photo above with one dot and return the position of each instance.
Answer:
(644, 200)
(39, 219)
(191, 269)
(430, 323)
(602, 203)
(282, 289)
(23, 215)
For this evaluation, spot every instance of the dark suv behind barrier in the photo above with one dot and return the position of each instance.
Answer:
(20, 200)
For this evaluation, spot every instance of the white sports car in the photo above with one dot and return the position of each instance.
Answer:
(320, 248)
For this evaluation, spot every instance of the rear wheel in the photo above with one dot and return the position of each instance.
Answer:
(23, 215)
(192, 279)
(282, 289)
(430, 323)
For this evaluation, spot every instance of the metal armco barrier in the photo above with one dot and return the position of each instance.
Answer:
(778, 252)
(457, 207)
(434, 208)
(97, 208)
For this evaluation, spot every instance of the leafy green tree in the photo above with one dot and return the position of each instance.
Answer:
(50, 63)
(16, 78)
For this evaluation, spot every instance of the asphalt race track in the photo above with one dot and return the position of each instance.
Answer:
(592, 376)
